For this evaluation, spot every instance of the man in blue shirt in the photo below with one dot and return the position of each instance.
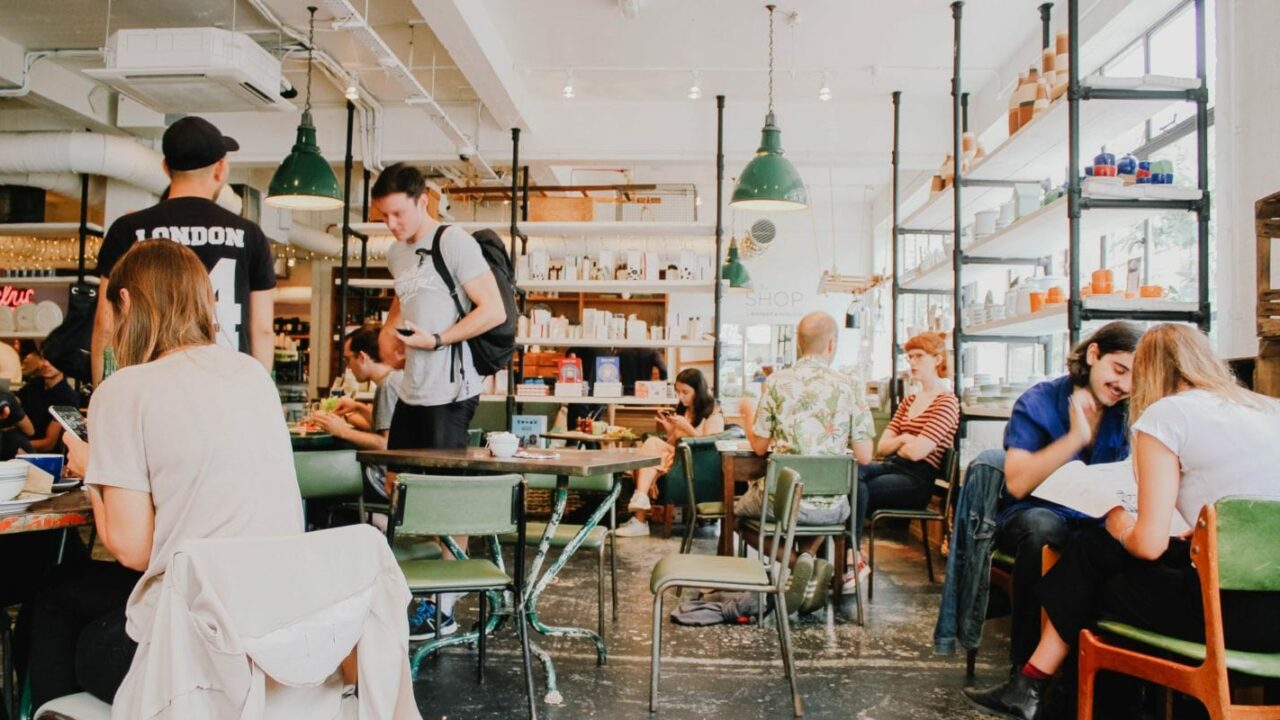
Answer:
(1080, 416)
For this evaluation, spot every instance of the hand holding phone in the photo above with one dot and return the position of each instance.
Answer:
(72, 420)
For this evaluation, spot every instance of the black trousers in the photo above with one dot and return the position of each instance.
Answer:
(71, 634)
(417, 427)
(1097, 579)
(896, 484)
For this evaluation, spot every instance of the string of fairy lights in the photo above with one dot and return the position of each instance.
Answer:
(41, 253)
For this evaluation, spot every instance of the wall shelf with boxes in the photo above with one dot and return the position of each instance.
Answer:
(992, 203)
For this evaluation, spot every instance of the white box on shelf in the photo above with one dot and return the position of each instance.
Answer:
(607, 389)
(564, 389)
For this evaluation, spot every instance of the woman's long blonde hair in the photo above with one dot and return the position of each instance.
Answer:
(1170, 356)
(170, 301)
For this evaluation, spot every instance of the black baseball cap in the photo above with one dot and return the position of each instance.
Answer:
(193, 142)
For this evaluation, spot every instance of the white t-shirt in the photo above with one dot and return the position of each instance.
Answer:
(1224, 448)
(201, 430)
(435, 377)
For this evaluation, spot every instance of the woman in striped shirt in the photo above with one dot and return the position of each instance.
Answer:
(917, 437)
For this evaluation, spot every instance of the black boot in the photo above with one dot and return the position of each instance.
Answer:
(1017, 698)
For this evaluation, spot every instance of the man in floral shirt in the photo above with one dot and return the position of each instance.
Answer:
(810, 409)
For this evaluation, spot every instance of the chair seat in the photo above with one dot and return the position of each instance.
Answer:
(415, 547)
(710, 509)
(1257, 664)
(801, 530)
(81, 706)
(564, 533)
(708, 570)
(1002, 559)
(922, 514)
(430, 575)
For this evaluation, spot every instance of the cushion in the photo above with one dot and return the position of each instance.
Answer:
(564, 533)
(442, 575)
(709, 571)
(710, 509)
(1251, 663)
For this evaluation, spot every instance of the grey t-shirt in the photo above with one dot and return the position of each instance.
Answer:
(384, 406)
(436, 377)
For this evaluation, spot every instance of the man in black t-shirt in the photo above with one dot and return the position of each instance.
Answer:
(233, 249)
(49, 389)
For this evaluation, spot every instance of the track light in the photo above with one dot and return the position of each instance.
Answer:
(695, 88)
(824, 92)
(353, 89)
(568, 91)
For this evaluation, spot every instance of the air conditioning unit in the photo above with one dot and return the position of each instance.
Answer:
(193, 70)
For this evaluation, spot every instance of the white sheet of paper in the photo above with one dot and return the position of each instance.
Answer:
(1095, 489)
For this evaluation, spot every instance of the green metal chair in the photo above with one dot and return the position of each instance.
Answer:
(824, 476)
(595, 540)
(680, 487)
(474, 506)
(735, 573)
(948, 481)
(1234, 547)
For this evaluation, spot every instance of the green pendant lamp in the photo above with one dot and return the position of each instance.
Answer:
(770, 183)
(734, 271)
(305, 180)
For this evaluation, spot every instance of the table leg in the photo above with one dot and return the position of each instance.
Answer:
(727, 496)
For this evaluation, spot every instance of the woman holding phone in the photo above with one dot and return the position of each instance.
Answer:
(695, 415)
(186, 441)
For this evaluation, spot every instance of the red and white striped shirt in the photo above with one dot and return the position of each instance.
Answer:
(938, 422)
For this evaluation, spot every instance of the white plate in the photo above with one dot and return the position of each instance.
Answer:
(21, 503)
(25, 316)
(7, 323)
(10, 364)
(65, 485)
(48, 316)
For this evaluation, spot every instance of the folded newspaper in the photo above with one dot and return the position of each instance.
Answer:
(1095, 489)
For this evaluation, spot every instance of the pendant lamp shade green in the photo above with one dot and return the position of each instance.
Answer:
(770, 183)
(734, 271)
(305, 180)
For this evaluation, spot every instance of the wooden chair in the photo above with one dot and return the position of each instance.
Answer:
(926, 515)
(1235, 547)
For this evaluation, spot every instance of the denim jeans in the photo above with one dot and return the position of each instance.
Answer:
(1023, 534)
(964, 592)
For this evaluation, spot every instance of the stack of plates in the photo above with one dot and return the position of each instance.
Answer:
(48, 316)
(26, 317)
(7, 323)
(13, 475)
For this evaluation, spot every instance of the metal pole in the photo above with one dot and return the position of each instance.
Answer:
(346, 228)
(1045, 14)
(1075, 305)
(84, 223)
(715, 266)
(957, 255)
(964, 112)
(893, 264)
(1202, 167)
(364, 241)
(515, 233)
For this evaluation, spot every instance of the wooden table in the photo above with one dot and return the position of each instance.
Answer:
(582, 438)
(739, 465)
(61, 512)
(567, 465)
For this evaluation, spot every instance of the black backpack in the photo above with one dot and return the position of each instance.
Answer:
(492, 350)
(67, 347)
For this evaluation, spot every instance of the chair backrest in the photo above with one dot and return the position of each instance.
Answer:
(1248, 544)
(706, 480)
(786, 510)
(439, 505)
(824, 475)
(328, 474)
(950, 479)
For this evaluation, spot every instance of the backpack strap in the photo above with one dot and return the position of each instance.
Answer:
(437, 259)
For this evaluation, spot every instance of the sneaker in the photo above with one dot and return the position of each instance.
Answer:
(863, 572)
(422, 621)
(818, 587)
(798, 582)
(632, 528)
(638, 501)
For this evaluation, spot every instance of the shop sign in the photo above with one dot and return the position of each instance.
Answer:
(12, 297)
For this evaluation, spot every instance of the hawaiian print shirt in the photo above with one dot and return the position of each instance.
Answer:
(812, 409)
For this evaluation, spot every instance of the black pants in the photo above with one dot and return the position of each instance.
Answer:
(415, 427)
(894, 484)
(1023, 534)
(1096, 578)
(71, 634)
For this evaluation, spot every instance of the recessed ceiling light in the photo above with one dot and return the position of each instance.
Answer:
(824, 92)
(695, 87)
(568, 91)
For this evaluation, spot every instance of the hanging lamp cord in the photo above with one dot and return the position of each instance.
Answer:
(770, 8)
(311, 43)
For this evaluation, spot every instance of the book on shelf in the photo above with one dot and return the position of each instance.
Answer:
(533, 389)
(1096, 489)
(652, 389)
(608, 369)
(606, 389)
(570, 389)
(568, 370)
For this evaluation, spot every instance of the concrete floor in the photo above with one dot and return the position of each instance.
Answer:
(884, 671)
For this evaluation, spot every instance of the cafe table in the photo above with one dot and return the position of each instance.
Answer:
(739, 465)
(581, 439)
(569, 467)
(61, 512)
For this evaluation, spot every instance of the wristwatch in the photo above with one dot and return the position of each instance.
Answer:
(439, 342)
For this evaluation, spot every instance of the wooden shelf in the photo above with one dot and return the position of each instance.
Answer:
(620, 401)
(585, 342)
(1053, 319)
(48, 280)
(655, 287)
(24, 335)
(573, 229)
(987, 411)
(47, 230)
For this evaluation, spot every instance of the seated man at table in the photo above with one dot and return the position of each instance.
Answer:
(809, 409)
(49, 389)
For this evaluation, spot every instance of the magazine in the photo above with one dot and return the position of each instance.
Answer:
(1095, 489)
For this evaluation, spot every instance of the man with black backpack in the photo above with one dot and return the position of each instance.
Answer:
(447, 296)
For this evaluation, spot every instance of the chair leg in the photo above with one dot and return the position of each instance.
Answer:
(871, 560)
(655, 662)
(928, 554)
(613, 560)
(667, 511)
(600, 592)
(788, 661)
(830, 547)
(690, 523)
(1085, 681)
(484, 599)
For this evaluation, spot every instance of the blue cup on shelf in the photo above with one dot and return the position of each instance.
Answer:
(48, 462)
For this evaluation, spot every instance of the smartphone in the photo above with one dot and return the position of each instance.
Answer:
(71, 419)
(405, 331)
